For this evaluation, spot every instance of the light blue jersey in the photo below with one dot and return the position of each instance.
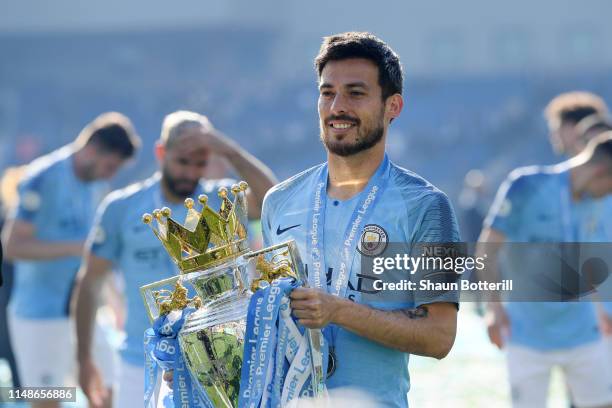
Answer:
(61, 208)
(410, 210)
(534, 205)
(120, 236)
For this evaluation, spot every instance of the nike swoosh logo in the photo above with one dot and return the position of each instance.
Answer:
(282, 231)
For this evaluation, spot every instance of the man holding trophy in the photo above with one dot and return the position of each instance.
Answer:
(359, 189)
(119, 240)
(305, 321)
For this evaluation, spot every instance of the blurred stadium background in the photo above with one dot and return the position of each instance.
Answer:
(478, 74)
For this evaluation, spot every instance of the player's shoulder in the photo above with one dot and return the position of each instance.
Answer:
(130, 195)
(289, 188)
(48, 164)
(532, 177)
(410, 184)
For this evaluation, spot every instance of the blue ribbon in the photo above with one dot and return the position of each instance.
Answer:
(162, 350)
(265, 362)
(315, 241)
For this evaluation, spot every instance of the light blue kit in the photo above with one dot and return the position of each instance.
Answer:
(404, 208)
(534, 205)
(61, 208)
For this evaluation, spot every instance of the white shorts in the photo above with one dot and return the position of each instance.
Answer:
(586, 369)
(45, 351)
(130, 389)
(608, 343)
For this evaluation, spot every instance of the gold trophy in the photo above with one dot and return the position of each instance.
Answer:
(211, 251)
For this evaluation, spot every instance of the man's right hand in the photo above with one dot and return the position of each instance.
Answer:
(498, 324)
(92, 384)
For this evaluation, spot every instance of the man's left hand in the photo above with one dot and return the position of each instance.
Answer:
(313, 307)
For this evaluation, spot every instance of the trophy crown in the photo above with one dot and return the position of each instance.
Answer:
(206, 237)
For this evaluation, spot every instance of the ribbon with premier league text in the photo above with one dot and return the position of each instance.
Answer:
(315, 242)
(276, 365)
(162, 350)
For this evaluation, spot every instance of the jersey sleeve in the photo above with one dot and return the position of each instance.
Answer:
(31, 193)
(438, 232)
(505, 213)
(439, 223)
(104, 239)
(266, 226)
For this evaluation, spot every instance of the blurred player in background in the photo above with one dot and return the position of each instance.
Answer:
(45, 237)
(562, 115)
(121, 241)
(553, 204)
(600, 230)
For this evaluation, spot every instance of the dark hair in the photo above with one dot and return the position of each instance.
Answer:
(364, 45)
(111, 132)
(572, 107)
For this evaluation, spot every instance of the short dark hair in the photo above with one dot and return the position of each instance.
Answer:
(111, 132)
(368, 46)
(572, 107)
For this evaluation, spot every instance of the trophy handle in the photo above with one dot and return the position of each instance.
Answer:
(151, 301)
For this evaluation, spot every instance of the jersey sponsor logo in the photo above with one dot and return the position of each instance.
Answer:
(373, 241)
(152, 254)
(70, 223)
(140, 228)
(280, 230)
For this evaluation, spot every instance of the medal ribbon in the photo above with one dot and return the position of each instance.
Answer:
(315, 240)
(316, 235)
(272, 348)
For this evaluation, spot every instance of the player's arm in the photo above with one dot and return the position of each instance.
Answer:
(428, 330)
(21, 243)
(497, 321)
(504, 218)
(250, 169)
(85, 301)
(103, 246)
(19, 234)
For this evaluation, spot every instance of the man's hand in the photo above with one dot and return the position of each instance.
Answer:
(313, 307)
(498, 324)
(92, 384)
(218, 143)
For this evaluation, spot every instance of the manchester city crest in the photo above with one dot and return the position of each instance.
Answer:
(373, 241)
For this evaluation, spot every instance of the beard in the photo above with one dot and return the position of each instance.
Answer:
(88, 172)
(179, 187)
(366, 137)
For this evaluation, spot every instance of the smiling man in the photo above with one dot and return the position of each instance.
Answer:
(358, 198)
